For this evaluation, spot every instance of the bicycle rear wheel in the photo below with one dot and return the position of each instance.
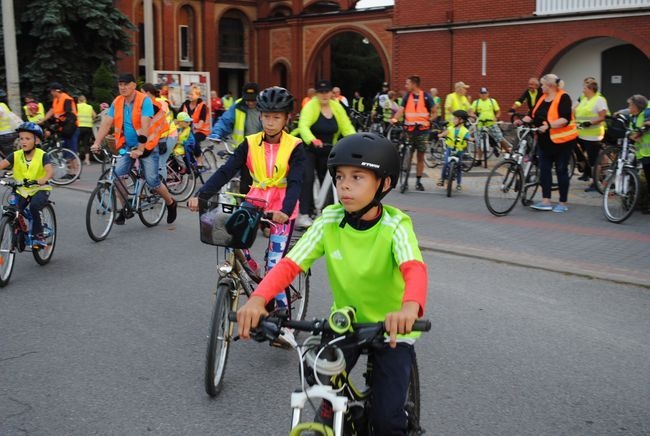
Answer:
(7, 252)
(618, 206)
(209, 162)
(531, 185)
(435, 153)
(469, 156)
(152, 207)
(48, 219)
(66, 164)
(219, 339)
(100, 212)
(604, 165)
(412, 405)
(451, 176)
(405, 167)
(503, 188)
(298, 296)
(181, 181)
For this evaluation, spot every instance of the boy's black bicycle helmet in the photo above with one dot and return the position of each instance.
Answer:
(275, 99)
(463, 115)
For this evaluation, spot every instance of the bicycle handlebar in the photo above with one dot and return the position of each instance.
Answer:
(12, 183)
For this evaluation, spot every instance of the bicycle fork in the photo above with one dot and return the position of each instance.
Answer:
(299, 399)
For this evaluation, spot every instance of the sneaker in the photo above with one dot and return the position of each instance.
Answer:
(441, 182)
(171, 212)
(120, 219)
(478, 163)
(459, 188)
(560, 208)
(38, 242)
(496, 152)
(591, 189)
(542, 206)
(419, 187)
(304, 221)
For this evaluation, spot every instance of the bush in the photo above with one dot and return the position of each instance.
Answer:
(103, 87)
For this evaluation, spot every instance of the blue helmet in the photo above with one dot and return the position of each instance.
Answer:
(32, 128)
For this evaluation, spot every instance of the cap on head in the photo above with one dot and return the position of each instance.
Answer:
(384, 85)
(460, 85)
(184, 116)
(483, 90)
(55, 86)
(250, 91)
(323, 86)
(126, 78)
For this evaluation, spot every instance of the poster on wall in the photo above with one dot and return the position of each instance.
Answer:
(177, 85)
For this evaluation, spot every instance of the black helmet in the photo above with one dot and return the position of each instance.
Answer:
(275, 99)
(463, 115)
(366, 150)
(30, 127)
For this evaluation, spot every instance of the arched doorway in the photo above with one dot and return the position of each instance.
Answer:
(280, 75)
(352, 62)
(233, 56)
(620, 69)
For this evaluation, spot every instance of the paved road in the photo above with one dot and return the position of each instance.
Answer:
(110, 339)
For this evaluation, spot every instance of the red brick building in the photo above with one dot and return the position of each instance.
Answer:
(483, 43)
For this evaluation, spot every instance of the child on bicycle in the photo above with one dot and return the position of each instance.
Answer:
(185, 143)
(456, 139)
(276, 162)
(32, 164)
(373, 262)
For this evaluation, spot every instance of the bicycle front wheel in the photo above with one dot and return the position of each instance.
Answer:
(100, 211)
(604, 165)
(503, 188)
(405, 167)
(451, 176)
(48, 219)
(152, 207)
(618, 206)
(7, 252)
(219, 339)
(66, 164)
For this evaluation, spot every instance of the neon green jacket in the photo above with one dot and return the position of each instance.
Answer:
(309, 114)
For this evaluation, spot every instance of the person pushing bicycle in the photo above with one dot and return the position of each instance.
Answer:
(276, 161)
(456, 139)
(31, 164)
(374, 264)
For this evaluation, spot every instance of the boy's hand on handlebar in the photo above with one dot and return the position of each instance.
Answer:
(279, 217)
(248, 316)
(193, 204)
(401, 322)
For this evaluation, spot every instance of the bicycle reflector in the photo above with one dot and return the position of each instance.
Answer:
(340, 321)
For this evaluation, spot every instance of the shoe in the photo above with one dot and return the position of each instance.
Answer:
(584, 178)
(38, 242)
(120, 219)
(459, 188)
(591, 189)
(419, 187)
(542, 206)
(496, 152)
(303, 221)
(560, 208)
(171, 212)
(478, 163)
(441, 182)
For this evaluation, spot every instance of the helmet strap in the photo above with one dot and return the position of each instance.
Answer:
(355, 217)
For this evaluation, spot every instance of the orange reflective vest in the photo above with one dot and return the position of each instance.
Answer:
(199, 125)
(158, 122)
(58, 105)
(416, 114)
(559, 135)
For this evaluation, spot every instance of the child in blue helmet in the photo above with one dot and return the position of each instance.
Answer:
(31, 163)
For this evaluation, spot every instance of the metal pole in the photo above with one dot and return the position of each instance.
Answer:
(11, 55)
(149, 53)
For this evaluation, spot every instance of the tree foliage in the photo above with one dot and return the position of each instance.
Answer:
(67, 41)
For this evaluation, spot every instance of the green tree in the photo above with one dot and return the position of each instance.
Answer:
(67, 41)
(103, 87)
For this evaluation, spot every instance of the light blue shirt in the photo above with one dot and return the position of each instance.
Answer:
(130, 135)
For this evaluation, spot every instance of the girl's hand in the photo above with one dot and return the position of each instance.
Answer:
(248, 316)
(193, 204)
(401, 322)
(279, 217)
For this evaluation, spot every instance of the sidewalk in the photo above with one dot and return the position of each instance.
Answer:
(580, 242)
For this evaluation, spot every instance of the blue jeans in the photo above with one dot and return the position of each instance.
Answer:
(37, 202)
(149, 167)
(445, 168)
(72, 142)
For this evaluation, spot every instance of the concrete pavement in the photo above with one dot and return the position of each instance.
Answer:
(581, 242)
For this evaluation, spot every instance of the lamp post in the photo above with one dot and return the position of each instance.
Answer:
(11, 56)
(149, 53)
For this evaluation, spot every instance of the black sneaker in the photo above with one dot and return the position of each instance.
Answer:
(496, 152)
(478, 163)
(121, 218)
(171, 212)
(419, 187)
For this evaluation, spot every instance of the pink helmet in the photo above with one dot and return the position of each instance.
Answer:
(104, 106)
(32, 107)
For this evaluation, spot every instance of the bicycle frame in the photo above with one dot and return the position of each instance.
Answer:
(626, 159)
(14, 213)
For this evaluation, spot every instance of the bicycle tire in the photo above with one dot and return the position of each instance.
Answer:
(60, 159)
(469, 156)
(216, 355)
(7, 251)
(405, 167)
(571, 165)
(105, 211)
(48, 219)
(298, 296)
(209, 162)
(617, 213)
(503, 188)
(151, 208)
(605, 161)
(531, 185)
(180, 185)
(412, 405)
(451, 176)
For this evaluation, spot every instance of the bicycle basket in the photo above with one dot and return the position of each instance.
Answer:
(615, 130)
(226, 224)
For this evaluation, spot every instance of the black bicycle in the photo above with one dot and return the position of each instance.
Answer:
(323, 373)
(16, 231)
